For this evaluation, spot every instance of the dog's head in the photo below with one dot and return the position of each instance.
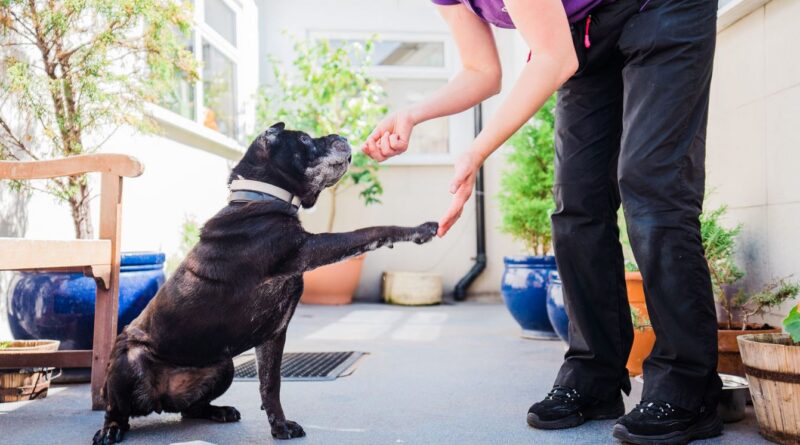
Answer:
(295, 161)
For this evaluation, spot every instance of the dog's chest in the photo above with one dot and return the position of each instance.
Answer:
(273, 305)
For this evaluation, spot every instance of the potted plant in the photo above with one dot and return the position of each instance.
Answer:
(25, 384)
(772, 364)
(329, 91)
(643, 340)
(526, 204)
(737, 305)
(72, 87)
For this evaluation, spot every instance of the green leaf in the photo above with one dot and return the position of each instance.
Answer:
(792, 324)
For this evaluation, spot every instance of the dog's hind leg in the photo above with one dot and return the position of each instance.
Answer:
(269, 356)
(124, 376)
(216, 381)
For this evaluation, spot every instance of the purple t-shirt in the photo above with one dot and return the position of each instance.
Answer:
(494, 11)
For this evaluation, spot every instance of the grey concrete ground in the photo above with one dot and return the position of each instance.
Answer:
(436, 375)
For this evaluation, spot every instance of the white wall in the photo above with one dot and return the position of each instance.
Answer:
(753, 142)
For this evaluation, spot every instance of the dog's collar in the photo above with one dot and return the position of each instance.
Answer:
(243, 190)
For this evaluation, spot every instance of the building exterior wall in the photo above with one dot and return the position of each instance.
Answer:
(753, 155)
(413, 193)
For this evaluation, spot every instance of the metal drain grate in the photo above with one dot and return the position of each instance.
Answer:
(305, 366)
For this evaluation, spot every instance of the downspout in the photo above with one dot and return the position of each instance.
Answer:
(460, 291)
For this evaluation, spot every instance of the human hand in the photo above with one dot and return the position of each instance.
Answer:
(461, 186)
(390, 137)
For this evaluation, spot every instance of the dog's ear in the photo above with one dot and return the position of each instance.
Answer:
(272, 132)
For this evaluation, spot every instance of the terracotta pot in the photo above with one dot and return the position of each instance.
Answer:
(643, 339)
(633, 281)
(333, 284)
(730, 361)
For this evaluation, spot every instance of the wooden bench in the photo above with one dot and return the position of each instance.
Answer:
(98, 258)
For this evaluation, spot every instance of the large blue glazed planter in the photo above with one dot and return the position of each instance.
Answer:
(60, 305)
(556, 312)
(524, 290)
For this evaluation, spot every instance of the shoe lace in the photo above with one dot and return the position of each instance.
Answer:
(655, 408)
(563, 394)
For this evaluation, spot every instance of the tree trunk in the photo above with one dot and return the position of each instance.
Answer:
(81, 211)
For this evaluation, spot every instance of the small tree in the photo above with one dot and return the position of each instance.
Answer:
(526, 200)
(719, 243)
(72, 72)
(329, 91)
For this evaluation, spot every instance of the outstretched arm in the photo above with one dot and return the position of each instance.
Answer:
(326, 248)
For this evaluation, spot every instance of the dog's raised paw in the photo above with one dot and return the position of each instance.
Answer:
(108, 435)
(425, 232)
(287, 430)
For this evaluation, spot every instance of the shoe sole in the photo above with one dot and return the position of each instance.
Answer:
(574, 420)
(711, 428)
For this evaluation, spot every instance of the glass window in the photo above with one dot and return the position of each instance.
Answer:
(219, 91)
(212, 101)
(181, 98)
(422, 54)
(431, 137)
(221, 19)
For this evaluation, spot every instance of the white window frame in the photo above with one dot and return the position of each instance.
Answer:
(457, 124)
(192, 130)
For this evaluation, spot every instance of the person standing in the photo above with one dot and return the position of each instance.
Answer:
(633, 79)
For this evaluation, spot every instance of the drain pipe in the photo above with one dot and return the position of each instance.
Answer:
(460, 291)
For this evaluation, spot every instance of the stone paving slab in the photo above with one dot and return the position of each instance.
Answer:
(434, 375)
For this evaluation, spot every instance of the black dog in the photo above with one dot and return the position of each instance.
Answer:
(237, 289)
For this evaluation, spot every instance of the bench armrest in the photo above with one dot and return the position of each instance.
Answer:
(116, 164)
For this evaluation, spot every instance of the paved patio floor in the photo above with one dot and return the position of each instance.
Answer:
(457, 374)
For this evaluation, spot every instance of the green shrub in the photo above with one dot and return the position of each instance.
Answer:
(639, 321)
(792, 324)
(327, 90)
(526, 199)
(719, 243)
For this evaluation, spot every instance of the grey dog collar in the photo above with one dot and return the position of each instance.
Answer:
(247, 190)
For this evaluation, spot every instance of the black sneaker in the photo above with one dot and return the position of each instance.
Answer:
(654, 422)
(566, 408)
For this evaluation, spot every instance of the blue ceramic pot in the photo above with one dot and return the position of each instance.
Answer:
(555, 307)
(60, 305)
(524, 290)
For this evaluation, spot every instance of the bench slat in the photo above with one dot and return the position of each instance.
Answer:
(117, 164)
(56, 359)
(20, 254)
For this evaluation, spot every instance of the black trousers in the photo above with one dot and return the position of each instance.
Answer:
(630, 128)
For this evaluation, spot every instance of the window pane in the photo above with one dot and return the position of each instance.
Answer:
(429, 54)
(431, 137)
(219, 91)
(181, 98)
(406, 54)
(221, 18)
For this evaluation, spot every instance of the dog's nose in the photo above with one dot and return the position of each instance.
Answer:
(341, 145)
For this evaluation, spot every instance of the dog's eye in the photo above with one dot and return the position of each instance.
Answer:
(305, 139)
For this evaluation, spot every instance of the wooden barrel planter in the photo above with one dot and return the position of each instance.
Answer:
(26, 384)
(772, 365)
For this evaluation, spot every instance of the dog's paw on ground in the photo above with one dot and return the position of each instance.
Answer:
(222, 414)
(425, 232)
(287, 430)
(109, 434)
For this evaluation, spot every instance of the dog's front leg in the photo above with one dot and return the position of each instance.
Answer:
(326, 248)
(269, 356)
